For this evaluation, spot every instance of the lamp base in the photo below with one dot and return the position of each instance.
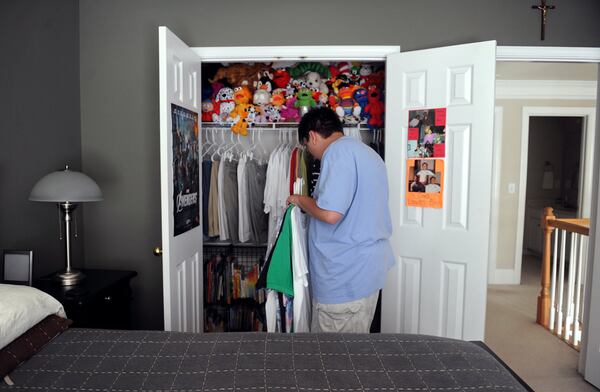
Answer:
(69, 278)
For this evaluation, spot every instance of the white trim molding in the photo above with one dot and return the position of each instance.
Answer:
(295, 53)
(497, 275)
(587, 141)
(546, 89)
(548, 53)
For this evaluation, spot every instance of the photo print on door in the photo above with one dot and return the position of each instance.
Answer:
(427, 133)
(425, 183)
(186, 181)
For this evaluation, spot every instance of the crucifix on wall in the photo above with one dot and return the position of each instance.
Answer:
(544, 13)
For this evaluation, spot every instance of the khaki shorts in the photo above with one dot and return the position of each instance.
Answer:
(355, 316)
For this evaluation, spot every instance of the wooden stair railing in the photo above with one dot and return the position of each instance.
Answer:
(558, 310)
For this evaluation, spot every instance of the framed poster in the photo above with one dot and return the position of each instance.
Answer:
(186, 180)
(427, 133)
(425, 183)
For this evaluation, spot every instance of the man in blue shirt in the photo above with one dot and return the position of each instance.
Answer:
(348, 236)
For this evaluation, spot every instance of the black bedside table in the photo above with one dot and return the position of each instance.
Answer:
(101, 300)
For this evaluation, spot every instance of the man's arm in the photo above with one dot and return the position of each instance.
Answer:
(309, 205)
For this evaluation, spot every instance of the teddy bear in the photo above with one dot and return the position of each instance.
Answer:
(261, 99)
(374, 108)
(313, 81)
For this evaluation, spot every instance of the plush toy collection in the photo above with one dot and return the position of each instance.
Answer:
(242, 95)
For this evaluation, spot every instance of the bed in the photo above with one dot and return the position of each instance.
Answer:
(112, 360)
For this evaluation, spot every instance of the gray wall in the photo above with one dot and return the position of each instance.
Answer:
(39, 121)
(119, 87)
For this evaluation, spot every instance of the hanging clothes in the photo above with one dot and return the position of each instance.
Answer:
(206, 173)
(302, 302)
(257, 176)
(230, 199)
(223, 228)
(286, 272)
(244, 232)
(213, 202)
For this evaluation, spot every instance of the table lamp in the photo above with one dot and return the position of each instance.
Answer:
(66, 188)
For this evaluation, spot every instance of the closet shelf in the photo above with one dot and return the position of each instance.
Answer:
(236, 244)
(278, 125)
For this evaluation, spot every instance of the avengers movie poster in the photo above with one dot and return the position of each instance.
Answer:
(186, 209)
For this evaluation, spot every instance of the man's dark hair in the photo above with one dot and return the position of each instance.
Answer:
(324, 121)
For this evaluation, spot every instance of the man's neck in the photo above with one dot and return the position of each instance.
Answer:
(332, 138)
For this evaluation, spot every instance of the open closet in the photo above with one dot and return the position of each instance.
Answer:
(438, 283)
(251, 158)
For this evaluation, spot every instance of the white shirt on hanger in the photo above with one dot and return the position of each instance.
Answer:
(302, 302)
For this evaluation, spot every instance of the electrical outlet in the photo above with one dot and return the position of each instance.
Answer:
(512, 188)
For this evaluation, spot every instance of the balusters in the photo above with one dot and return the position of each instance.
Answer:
(562, 311)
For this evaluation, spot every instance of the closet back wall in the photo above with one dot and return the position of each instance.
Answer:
(39, 122)
(119, 87)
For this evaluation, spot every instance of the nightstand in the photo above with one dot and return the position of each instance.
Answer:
(101, 300)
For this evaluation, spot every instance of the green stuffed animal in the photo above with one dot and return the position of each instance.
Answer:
(304, 101)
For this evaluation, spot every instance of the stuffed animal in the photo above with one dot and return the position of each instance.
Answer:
(272, 114)
(242, 94)
(265, 81)
(278, 98)
(375, 79)
(261, 99)
(303, 68)
(225, 105)
(304, 101)
(281, 78)
(243, 120)
(361, 97)
(348, 109)
(241, 97)
(313, 81)
(235, 74)
(207, 110)
(288, 111)
(375, 108)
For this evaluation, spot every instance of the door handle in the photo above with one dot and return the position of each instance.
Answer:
(157, 251)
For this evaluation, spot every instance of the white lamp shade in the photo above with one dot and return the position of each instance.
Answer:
(66, 185)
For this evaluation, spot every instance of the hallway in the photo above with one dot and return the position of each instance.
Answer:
(539, 358)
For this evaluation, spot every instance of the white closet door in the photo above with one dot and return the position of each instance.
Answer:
(438, 285)
(179, 76)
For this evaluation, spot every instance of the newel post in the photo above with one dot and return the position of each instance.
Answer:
(543, 304)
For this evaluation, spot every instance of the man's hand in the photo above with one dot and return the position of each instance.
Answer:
(309, 205)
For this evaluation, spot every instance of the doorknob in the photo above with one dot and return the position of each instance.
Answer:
(157, 251)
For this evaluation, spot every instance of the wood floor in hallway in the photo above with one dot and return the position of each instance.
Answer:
(543, 361)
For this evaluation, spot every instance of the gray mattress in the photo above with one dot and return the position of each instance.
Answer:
(103, 360)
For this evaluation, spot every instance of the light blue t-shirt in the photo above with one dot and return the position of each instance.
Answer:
(349, 260)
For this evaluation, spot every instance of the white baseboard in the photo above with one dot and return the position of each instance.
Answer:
(504, 276)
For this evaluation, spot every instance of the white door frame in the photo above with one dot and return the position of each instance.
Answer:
(574, 55)
(526, 54)
(587, 140)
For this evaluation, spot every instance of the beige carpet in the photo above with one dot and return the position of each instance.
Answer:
(539, 358)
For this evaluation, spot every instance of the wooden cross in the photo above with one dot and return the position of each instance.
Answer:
(544, 10)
